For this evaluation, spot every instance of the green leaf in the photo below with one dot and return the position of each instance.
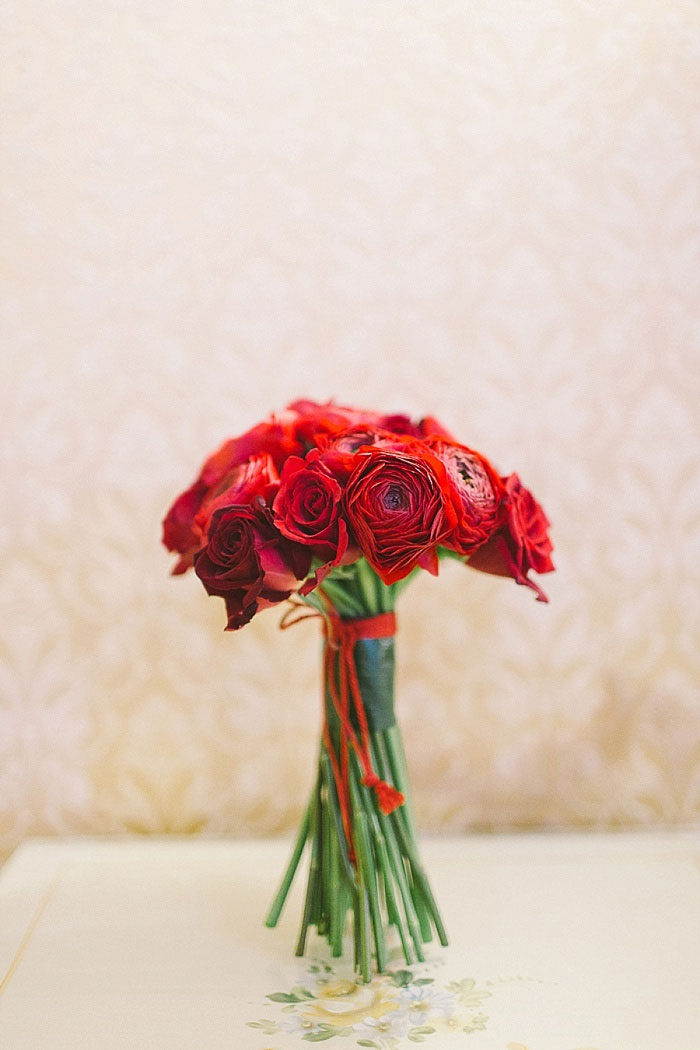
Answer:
(320, 1036)
(368, 1042)
(424, 980)
(283, 997)
(422, 1029)
(402, 978)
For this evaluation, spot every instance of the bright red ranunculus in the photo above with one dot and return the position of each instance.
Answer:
(429, 426)
(338, 451)
(521, 544)
(313, 420)
(399, 507)
(274, 437)
(247, 563)
(256, 479)
(178, 526)
(478, 490)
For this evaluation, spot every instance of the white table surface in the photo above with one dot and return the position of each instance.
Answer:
(558, 942)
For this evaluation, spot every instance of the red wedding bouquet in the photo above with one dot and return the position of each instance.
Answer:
(334, 508)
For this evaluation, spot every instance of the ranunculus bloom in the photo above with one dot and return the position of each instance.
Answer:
(274, 437)
(478, 490)
(338, 451)
(400, 508)
(248, 563)
(429, 426)
(314, 420)
(521, 544)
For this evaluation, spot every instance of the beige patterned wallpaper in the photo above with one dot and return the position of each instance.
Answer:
(486, 211)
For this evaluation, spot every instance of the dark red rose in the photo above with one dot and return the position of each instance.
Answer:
(274, 437)
(256, 479)
(248, 563)
(399, 507)
(521, 544)
(477, 489)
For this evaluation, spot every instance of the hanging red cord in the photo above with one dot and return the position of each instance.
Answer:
(346, 695)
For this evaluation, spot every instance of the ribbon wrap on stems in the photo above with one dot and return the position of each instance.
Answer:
(364, 857)
(350, 668)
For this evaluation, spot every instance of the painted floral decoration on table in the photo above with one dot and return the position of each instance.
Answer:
(330, 511)
(397, 1005)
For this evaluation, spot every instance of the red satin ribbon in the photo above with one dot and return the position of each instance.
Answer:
(346, 695)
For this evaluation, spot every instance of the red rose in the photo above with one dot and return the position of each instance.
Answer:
(521, 544)
(274, 437)
(477, 489)
(247, 563)
(308, 507)
(399, 508)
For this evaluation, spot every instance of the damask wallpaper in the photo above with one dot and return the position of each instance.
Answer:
(484, 211)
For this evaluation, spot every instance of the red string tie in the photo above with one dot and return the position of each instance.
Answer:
(341, 636)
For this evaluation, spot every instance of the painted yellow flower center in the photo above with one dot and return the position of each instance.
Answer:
(345, 1003)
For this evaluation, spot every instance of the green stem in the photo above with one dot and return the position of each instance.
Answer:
(376, 876)
(312, 886)
(279, 901)
(362, 804)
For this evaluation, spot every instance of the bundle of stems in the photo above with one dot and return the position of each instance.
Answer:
(364, 873)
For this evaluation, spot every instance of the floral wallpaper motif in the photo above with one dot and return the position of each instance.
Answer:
(474, 210)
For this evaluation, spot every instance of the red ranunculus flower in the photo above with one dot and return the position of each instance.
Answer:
(274, 437)
(521, 544)
(248, 563)
(400, 507)
(338, 451)
(429, 426)
(316, 421)
(313, 420)
(478, 490)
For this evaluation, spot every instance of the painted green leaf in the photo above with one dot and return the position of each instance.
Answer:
(301, 992)
(402, 978)
(468, 993)
(424, 980)
(423, 1029)
(268, 1027)
(320, 1036)
(283, 997)
(368, 1042)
